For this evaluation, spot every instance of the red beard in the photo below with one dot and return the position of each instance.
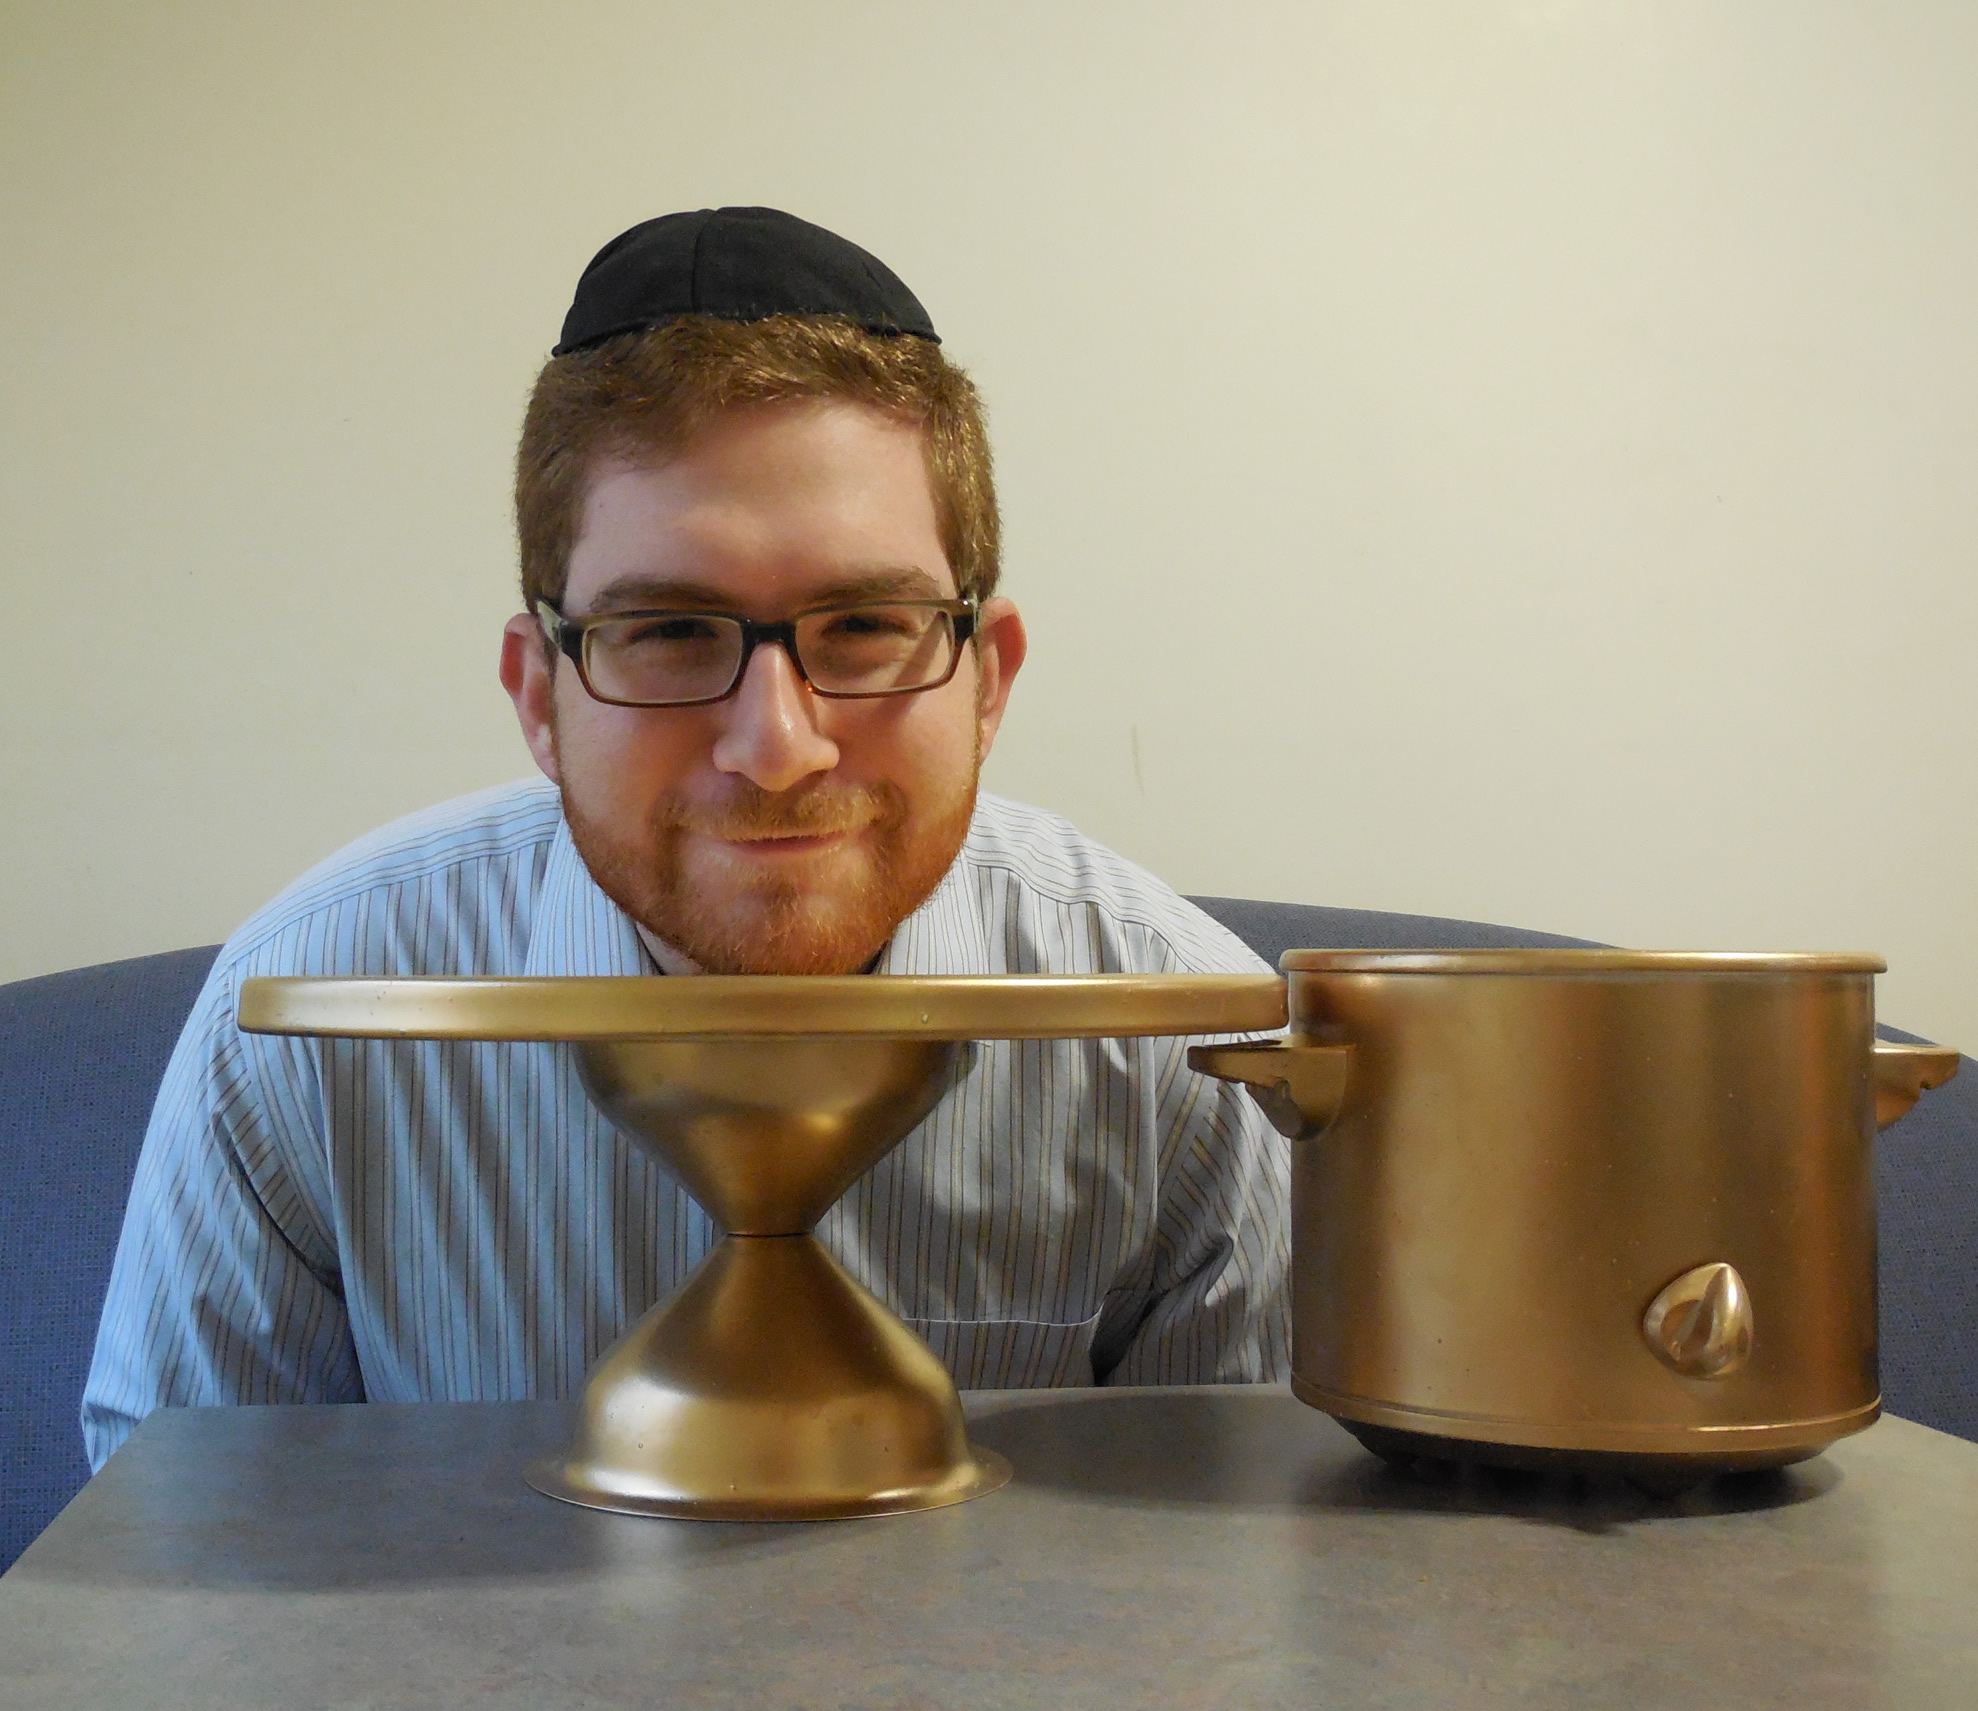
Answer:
(778, 923)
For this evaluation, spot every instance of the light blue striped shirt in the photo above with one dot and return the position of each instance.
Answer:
(340, 1220)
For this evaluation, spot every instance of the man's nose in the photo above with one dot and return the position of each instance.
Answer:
(769, 728)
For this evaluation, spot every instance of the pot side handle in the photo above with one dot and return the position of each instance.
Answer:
(1299, 1087)
(1903, 1074)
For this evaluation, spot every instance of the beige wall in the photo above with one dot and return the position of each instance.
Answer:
(1507, 458)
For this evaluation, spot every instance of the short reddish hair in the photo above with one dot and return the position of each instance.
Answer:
(646, 395)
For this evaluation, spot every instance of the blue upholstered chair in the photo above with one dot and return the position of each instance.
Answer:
(81, 1055)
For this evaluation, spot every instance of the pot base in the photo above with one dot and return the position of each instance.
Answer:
(1664, 1474)
(1665, 1459)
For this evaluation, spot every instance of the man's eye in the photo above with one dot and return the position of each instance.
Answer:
(665, 631)
(875, 621)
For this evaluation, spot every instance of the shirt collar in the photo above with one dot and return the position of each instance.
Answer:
(577, 929)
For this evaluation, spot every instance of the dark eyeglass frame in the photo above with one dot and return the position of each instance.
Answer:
(567, 637)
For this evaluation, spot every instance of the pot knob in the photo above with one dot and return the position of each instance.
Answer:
(1700, 1325)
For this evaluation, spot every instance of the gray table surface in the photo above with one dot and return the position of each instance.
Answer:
(1218, 1547)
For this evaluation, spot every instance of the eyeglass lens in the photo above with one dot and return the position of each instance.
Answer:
(659, 657)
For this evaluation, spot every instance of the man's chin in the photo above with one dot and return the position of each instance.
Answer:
(802, 905)
(785, 933)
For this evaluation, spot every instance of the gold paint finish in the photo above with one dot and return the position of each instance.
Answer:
(1904, 1073)
(722, 1006)
(767, 1133)
(1299, 1086)
(770, 1386)
(1580, 962)
(1534, 1154)
(1700, 1325)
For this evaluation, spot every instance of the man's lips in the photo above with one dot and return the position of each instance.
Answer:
(782, 831)
(773, 844)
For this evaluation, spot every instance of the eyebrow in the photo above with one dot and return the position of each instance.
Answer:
(639, 592)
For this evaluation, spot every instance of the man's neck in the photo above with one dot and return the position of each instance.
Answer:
(671, 961)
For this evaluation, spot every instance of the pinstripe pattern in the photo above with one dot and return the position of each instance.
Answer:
(337, 1220)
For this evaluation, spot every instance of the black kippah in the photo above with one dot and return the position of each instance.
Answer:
(741, 264)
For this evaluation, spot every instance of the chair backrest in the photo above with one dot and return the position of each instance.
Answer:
(1271, 929)
(1926, 1205)
(1926, 1168)
(81, 1056)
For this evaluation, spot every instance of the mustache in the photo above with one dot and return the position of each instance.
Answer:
(749, 811)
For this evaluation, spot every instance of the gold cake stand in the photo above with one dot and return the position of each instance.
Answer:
(770, 1385)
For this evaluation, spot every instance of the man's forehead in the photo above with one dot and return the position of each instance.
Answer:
(741, 436)
(646, 589)
(833, 503)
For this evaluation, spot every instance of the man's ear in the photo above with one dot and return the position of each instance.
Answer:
(1000, 644)
(528, 674)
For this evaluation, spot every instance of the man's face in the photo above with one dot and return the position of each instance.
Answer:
(775, 831)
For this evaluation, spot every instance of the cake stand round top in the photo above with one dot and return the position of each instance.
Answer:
(722, 1006)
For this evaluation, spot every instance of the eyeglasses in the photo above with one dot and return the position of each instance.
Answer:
(680, 659)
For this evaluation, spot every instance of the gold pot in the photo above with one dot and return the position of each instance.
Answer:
(1584, 1208)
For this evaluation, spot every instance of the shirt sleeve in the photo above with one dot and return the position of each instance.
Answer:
(226, 1287)
(1210, 1304)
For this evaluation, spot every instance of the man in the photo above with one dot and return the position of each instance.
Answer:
(761, 661)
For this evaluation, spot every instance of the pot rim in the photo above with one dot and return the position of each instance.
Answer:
(1578, 962)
